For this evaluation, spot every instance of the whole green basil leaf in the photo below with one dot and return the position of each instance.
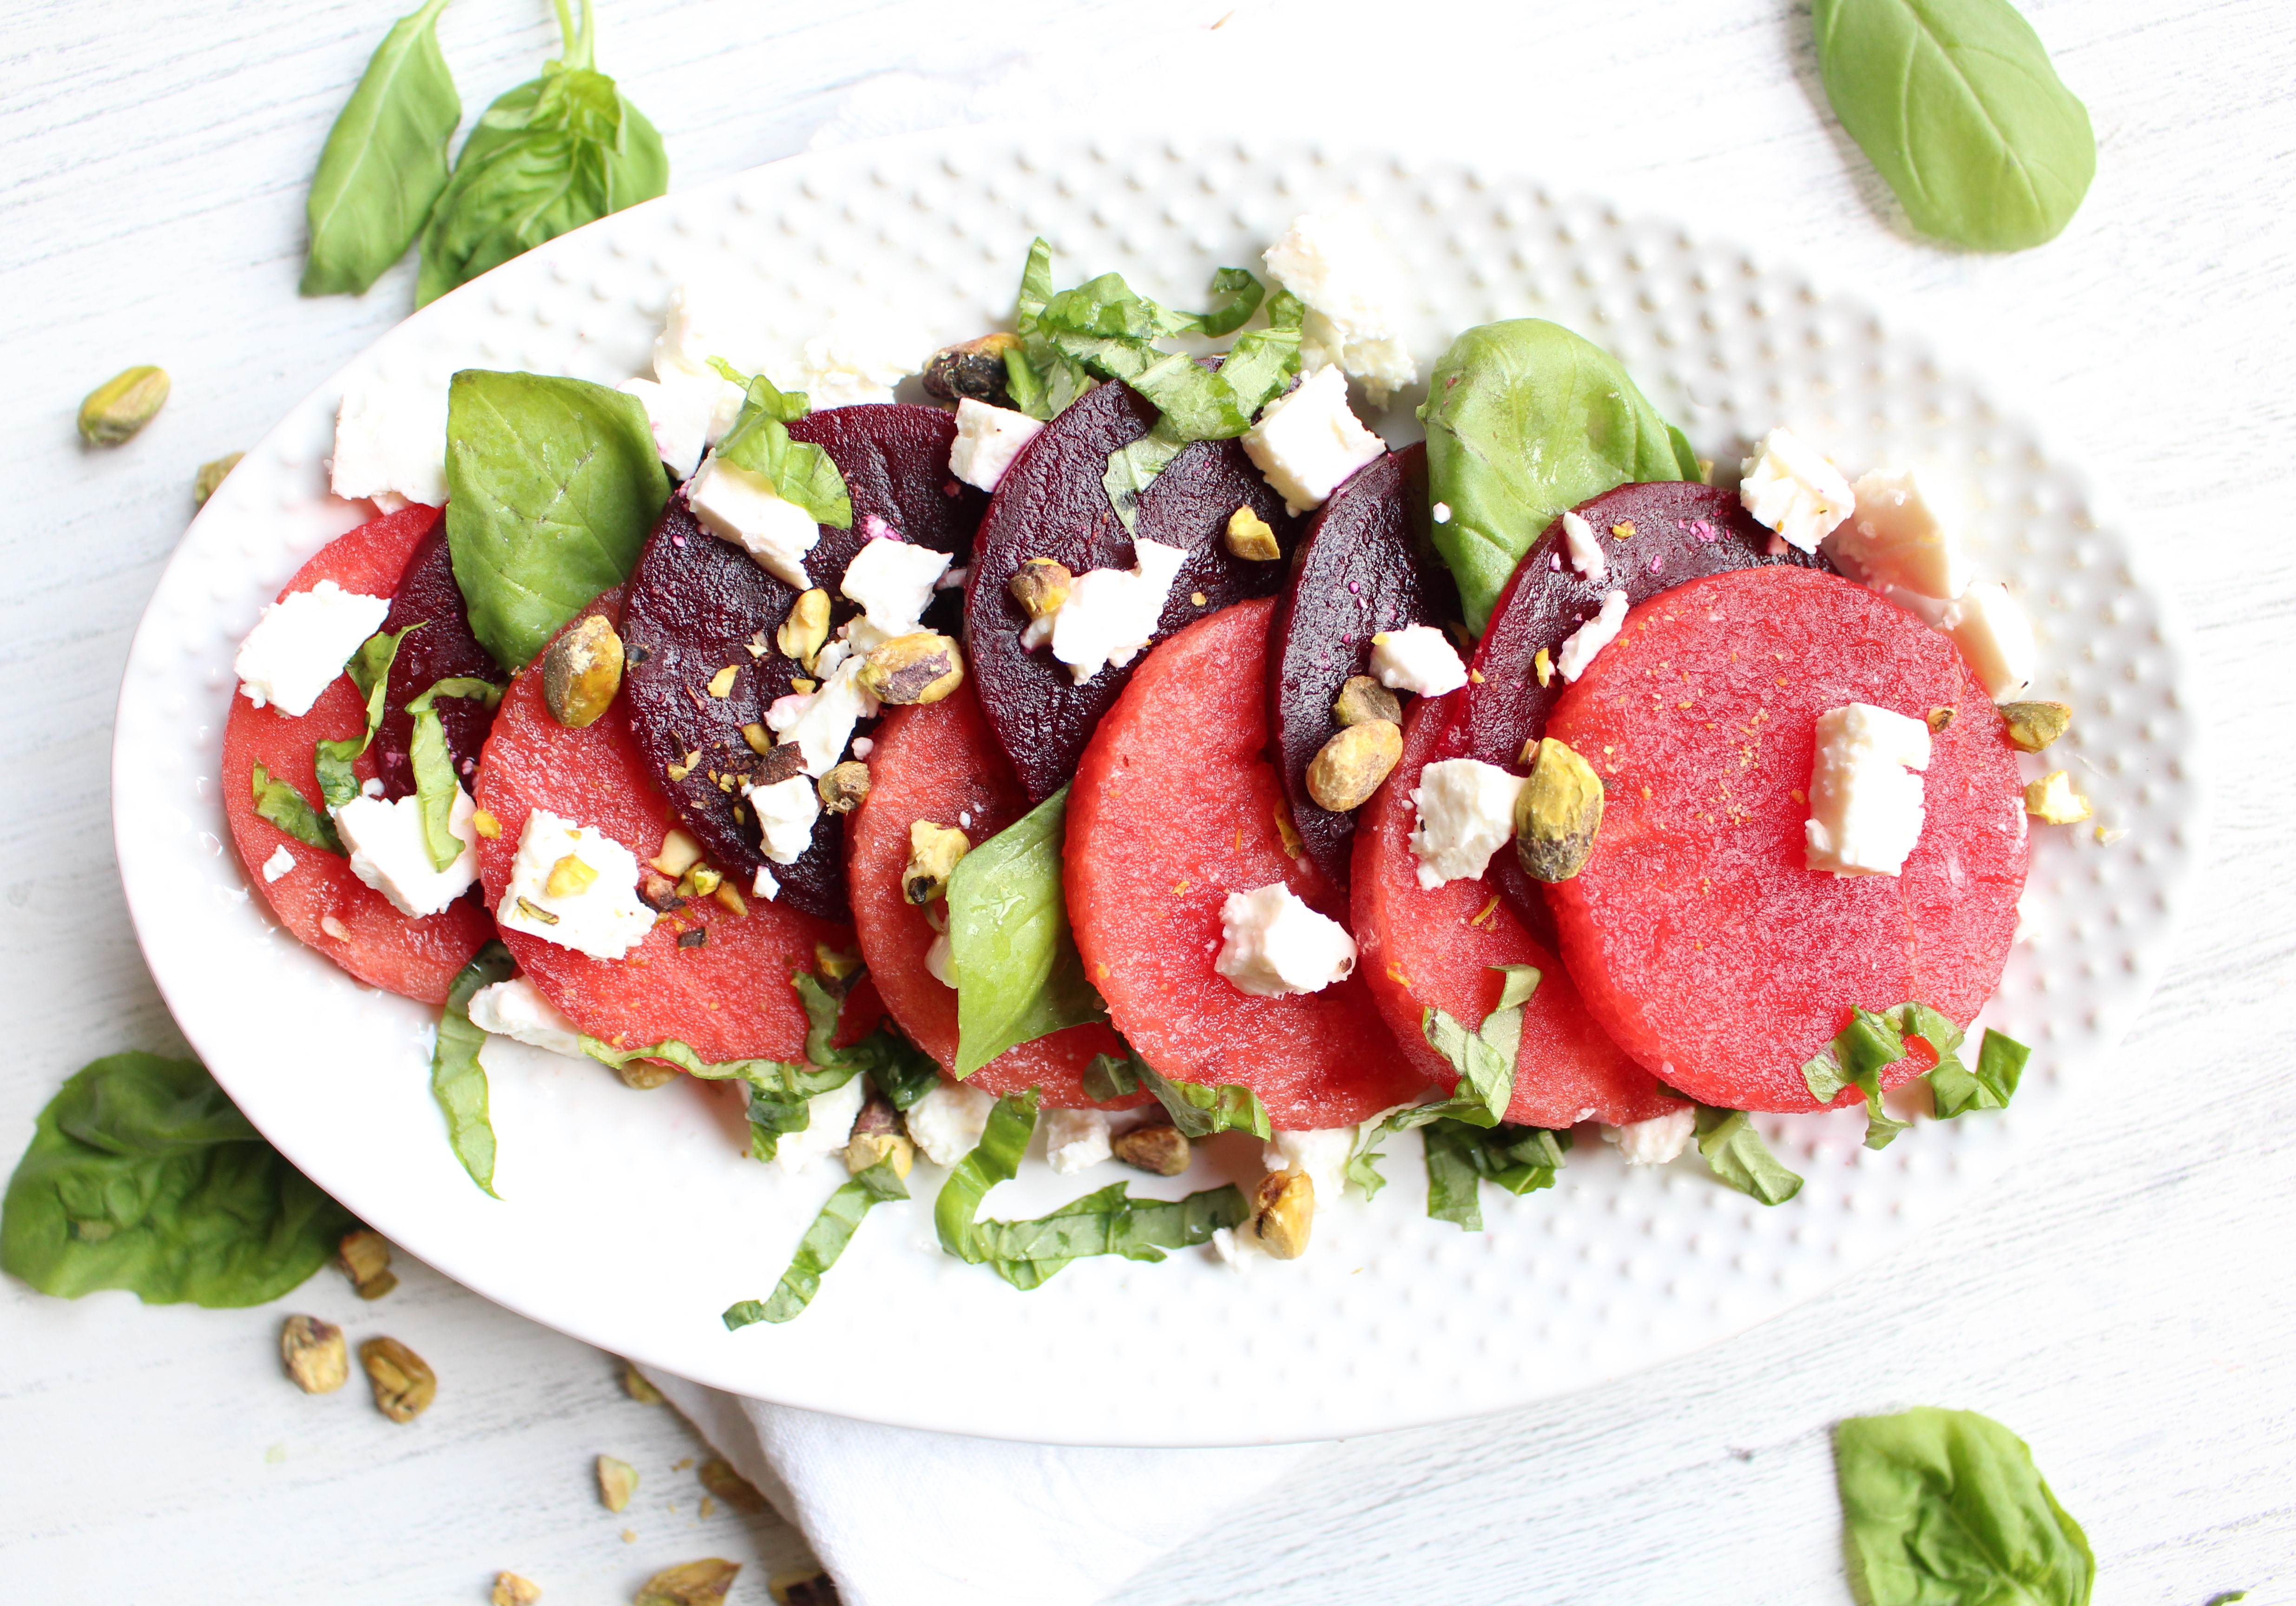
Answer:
(457, 1080)
(1955, 102)
(1525, 421)
(385, 161)
(142, 1175)
(552, 486)
(824, 1241)
(1018, 973)
(1939, 1507)
(279, 803)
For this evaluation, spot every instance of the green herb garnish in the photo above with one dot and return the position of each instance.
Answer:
(1485, 1061)
(280, 804)
(1739, 1157)
(385, 159)
(436, 785)
(824, 1241)
(1197, 1111)
(1014, 958)
(369, 671)
(457, 1080)
(800, 472)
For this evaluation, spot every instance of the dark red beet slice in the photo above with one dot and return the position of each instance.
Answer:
(1175, 807)
(940, 764)
(696, 604)
(1421, 950)
(1363, 567)
(444, 646)
(1698, 935)
(730, 998)
(374, 942)
(1051, 503)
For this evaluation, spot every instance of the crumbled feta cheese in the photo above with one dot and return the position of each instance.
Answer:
(1075, 1140)
(1420, 659)
(763, 885)
(1322, 1154)
(1585, 549)
(1111, 614)
(1271, 945)
(736, 506)
(786, 811)
(1997, 638)
(1903, 533)
(829, 1118)
(948, 1122)
(390, 853)
(1442, 512)
(893, 581)
(1354, 288)
(1865, 809)
(279, 864)
(1790, 487)
(938, 954)
(821, 722)
(1935, 612)
(302, 643)
(1307, 442)
(516, 1009)
(859, 357)
(1656, 1141)
(603, 918)
(1466, 813)
(708, 319)
(688, 414)
(988, 439)
(1597, 632)
(390, 444)
(1229, 1245)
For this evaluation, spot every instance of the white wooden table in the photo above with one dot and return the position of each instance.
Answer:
(2125, 1299)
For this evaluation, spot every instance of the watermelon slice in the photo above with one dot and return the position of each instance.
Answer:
(1175, 807)
(1698, 935)
(320, 900)
(940, 763)
(1425, 950)
(444, 647)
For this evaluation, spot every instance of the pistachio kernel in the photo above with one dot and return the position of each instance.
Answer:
(511, 1590)
(1287, 833)
(699, 937)
(1347, 769)
(404, 1383)
(1363, 700)
(2033, 725)
(536, 911)
(842, 789)
(2052, 801)
(836, 964)
(315, 1355)
(761, 740)
(805, 629)
(922, 667)
(116, 409)
(638, 1387)
(363, 1255)
(1040, 586)
(702, 1583)
(1161, 1149)
(679, 853)
(719, 1477)
(569, 877)
(699, 880)
(1249, 538)
(802, 686)
(1557, 814)
(617, 1481)
(933, 853)
(972, 368)
(645, 1075)
(879, 1137)
(805, 1586)
(485, 825)
(721, 684)
(727, 894)
(1938, 719)
(210, 476)
(1283, 1210)
(659, 893)
(1543, 665)
(582, 671)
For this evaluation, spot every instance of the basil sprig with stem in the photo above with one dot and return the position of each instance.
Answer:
(457, 1080)
(279, 803)
(1018, 974)
(436, 784)
(1197, 1111)
(369, 671)
(385, 159)
(822, 1243)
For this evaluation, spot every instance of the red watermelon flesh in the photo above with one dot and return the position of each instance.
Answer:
(728, 999)
(1423, 950)
(1699, 936)
(444, 647)
(369, 938)
(1174, 807)
(940, 763)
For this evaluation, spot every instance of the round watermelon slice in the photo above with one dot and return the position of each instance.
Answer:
(1422, 950)
(940, 763)
(1699, 936)
(1174, 807)
(320, 900)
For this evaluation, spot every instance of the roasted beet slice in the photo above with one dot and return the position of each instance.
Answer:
(698, 604)
(1052, 504)
(1364, 566)
(444, 647)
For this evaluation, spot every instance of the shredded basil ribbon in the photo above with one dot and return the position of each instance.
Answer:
(1197, 1111)
(824, 1241)
(1485, 1061)
(436, 784)
(1739, 1157)
(279, 803)
(1461, 1157)
(369, 671)
(457, 1080)
(1874, 1040)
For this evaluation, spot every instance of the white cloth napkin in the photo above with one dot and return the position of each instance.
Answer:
(901, 1517)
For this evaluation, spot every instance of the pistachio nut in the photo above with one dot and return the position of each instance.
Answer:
(805, 629)
(721, 684)
(1284, 1210)
(730, 897)
(1251, 538)
(1542, 664)
(315, 1355)
(582, 671)
(2033, 725)
(844, 786)
(836, 964)
(1161, 1149)
(879, 1137)
(679, 853)
(1286, 832)
(116, 409)
(659, 893)
(1363, 700)
(404, 1384)
(761, 740)
(805, 1586)
(1937, 719)
(922, 667)
(1040, 586)
(569, 877)
(645, 1075)
(364, 1258)
(511, 1590)
(638, 1387)
(1557, 814)
(617, 1481)
(2052, 801)
(702, 1583)
(719, 1477)
(1347, 769)
(210, 476)
(933, 853)
(973, 368)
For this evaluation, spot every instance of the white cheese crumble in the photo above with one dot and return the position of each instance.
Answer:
(988, 439)
(736, 506)
(1336, 263)
(302, 643)
(829, 1118)
(1271, 945)
(1420, 659)
(859, 357)
(688, 415)
(1597, 632)
(1903, 533)
(1585, 549)
(821, 722)
(1307, 442)
(390, 853)
(516, 1009)
(786, 811)
(1075, 1140)
(1322, 1154)
(1656, 1141)
(1442, 512)
(603, 918)
(938, 954)
(708, 319)
(1865, 812)
(893, 580)
(948, 1122)
(1997, 638)
(279, 864)
(1466, 813)
(764, 886)
(390, 444)
(1111, 614)
(1790, 487)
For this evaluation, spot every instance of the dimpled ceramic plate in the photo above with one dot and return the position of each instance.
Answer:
(632, 1219)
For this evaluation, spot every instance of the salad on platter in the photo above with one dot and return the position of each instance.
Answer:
(1123, 745)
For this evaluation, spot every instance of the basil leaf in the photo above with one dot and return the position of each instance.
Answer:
(436, 784)
(994, 1160)
(1856, 1057)
(1018, 974)
(1133, 468)
(1198, 1110)
(1485, 1061)
(369, 671)
(1958, 106)
(552, 487)
(899, 1069)
(1943, 1506)
(763, 395)
(1235, 295)
(457, 1080)
(824, 1241)
(1108, 1222)
(1523, 1160)
(385, 159)
(799, 471)
(2000, 1063)
(1460, 1156)
(280, 804)
(778, 1091)
(1262, 364)
(1525, 420)
(142, 1175)
(1739, 1157)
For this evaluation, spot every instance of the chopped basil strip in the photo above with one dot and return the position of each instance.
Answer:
(457, 1080)
(778, 1091)
(901, 1070)
(824, 1241)
(1460, 1156)
(1018, 974)
(280, 804)
(786, 405)
(1856, 1057)
(799, 471)
(1485, 1061)
(1739, 1157)
(1196, 1110)
(994, 1160)
(1133, 469)
(1873, 1040)
(435, 781)
(2000, 1064)
(370, 672)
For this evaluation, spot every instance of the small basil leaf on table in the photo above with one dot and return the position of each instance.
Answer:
(142, 1175)
(279, 803)
(824, 1241)
(370, 672)
(1018, 973)
(457, 1080)
(1958, 106)
(385, 161)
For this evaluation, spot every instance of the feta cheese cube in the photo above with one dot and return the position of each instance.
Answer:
(1865, 811)
(736, 506)
(1790, 487)
(1997, 638)
(948, 1122)
(390, 853)
(1902, 533)
(1578, 649)
(1466, 813)
(859, 357)
(893, 580)
(821, 722)
(516, 1009)
(688, 414)
(938, 954)
(988, 439)
(829, 1118)
(390, 443)
(1420, 659)
(1322, 1154)
(786, 811)
(1272, 945)
(1307, 442)
(1075, 1140)
(710, 319)
(279, 864)
(302, 643)
(764, 886)
(1354, 288)
(1111, 614)
(1585, 549)
(1656, 1141)
(602, 918)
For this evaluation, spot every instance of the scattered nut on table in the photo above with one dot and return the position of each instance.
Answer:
(702, 1583)
(364, 1257)
(315, 1356)
(404, 1383)
(635, 1385)
(719, 1477)
(617, 1481)
(511, 1590)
